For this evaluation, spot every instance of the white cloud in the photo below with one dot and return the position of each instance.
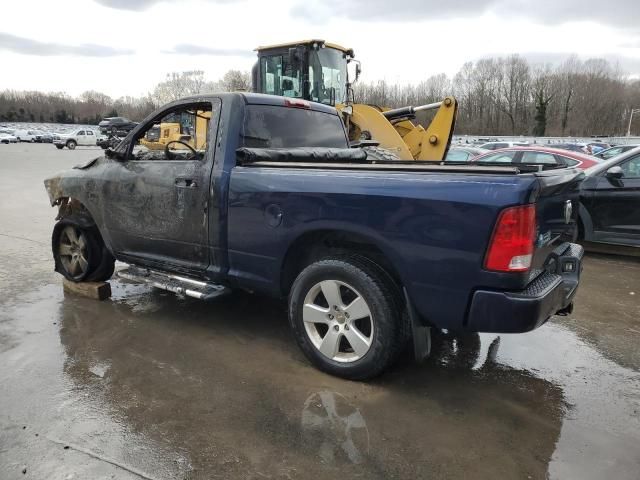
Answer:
(217, 35)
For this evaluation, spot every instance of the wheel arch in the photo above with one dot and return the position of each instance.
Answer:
(316, 244)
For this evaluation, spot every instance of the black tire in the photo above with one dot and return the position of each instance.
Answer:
(386, 336)
(71, 144)
(379, 153)
(106, 267)
(59, 147)
(99, 261)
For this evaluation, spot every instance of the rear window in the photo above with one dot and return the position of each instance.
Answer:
(268, 126)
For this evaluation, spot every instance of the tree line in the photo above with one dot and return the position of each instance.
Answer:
(91, 107)
(511, 96)
(497, 96)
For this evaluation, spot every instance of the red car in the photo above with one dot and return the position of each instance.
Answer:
(549, 157)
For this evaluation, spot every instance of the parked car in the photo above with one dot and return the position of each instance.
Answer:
(549, 158)
(82, 138)
(458, 153)
(43, 137)
(596, 147)
(610, 201)
(7, 138)
(116, 125)
(613, 151)
(279, 204)
(572, 147)
(499, 145)
(26, 135)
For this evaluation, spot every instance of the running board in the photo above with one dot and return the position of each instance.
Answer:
(174, 283)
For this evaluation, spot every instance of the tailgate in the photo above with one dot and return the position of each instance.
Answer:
(557, 205)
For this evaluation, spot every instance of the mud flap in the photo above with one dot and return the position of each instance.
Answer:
(421, 335)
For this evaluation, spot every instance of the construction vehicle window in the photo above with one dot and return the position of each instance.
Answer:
(181, 134)
(267, 126)
(327, 76)
(279, 77)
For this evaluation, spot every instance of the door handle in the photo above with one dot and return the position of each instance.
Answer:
(185, 183)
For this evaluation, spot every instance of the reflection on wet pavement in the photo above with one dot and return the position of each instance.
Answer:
(220, 391)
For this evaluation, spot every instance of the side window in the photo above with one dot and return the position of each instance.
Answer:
(279, 77)
(498, 157)
(631, 168)
(89, 132)
(268, 126)
(570, 162)
(539, 158)
(457, 156)
(183, 133)
(612, 152)
(81, 132)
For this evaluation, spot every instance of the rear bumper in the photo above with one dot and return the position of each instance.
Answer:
(525, 310)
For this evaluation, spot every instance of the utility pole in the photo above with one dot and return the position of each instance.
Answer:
(633, 110)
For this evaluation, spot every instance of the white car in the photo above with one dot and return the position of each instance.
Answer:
(83, 138)
(499, 145)
(7, 138)
(26, 135)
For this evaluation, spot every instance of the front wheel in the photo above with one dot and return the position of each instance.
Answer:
(345, 318)
(79, 252)
(59, 147)
(71, 144)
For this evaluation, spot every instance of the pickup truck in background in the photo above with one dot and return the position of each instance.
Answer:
(263, 193)
(83, 138)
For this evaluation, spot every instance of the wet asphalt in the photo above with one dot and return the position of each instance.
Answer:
(152, 385)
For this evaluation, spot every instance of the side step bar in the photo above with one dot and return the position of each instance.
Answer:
(174, 283)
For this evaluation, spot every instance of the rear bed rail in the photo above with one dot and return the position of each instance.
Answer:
(352, 159)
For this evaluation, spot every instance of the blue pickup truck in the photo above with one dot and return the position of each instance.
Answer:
(264, 194)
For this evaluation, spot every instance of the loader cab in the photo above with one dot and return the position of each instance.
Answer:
(311, 70)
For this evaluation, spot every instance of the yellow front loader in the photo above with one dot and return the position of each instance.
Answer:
(315, 70)
(189, 127)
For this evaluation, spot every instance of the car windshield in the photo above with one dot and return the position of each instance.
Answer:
(327, 75)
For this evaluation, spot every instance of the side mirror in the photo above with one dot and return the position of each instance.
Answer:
(114, 154)
(615, 173)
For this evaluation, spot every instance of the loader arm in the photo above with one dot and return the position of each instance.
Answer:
(395, 130)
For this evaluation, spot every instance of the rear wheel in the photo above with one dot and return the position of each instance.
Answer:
(71, 144)
(345, 318)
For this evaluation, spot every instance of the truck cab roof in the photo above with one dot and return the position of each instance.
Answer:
(251, 98)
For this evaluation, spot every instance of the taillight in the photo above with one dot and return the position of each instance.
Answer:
(511, 246)
(297, 103)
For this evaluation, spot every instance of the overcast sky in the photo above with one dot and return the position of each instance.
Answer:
(125, 47)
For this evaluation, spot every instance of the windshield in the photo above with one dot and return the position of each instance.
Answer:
(327, 76)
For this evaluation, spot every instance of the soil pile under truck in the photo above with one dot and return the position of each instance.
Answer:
(315, 70)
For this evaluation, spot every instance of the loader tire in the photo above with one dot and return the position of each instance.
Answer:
(379, 153)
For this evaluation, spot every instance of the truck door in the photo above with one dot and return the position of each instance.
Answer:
(157, 198)
(90, 138)
(81, 138)
(615, 204)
